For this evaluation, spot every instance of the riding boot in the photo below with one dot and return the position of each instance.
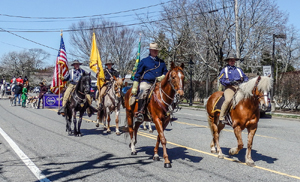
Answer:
(140, 114)
(61, 111)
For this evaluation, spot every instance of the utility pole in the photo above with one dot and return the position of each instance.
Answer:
(237, 31)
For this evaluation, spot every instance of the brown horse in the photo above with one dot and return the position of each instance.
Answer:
(157, 110)
(244, 114)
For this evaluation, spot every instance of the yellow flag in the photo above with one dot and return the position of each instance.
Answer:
(96, 64)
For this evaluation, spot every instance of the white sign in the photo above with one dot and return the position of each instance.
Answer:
(267, 70)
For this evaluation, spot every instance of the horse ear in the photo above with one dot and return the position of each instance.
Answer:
(123, 79)
(269, 75)
(172, 65)
(90, 73)
(182, 65)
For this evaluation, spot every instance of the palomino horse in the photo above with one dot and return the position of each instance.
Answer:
(78, 102)
(244, 114)
(112, 102)
(157, 109)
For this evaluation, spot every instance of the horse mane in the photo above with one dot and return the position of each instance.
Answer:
(245, 89)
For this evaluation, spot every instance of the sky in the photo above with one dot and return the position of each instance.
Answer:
(72, 8)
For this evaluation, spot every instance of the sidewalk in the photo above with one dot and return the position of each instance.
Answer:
(275, 114)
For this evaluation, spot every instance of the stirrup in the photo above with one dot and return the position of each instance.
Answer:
(139, 116)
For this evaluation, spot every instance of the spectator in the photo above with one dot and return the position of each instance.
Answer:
(17, 93)
(26, 81)
(13, 84)
(24, 95)
(42, 92)
(20, 80)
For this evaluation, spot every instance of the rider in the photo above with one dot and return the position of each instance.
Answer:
(149, 69)
(73, 77)
(230, 77)
(109, 72)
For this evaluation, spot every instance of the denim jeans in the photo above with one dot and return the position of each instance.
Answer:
(19, 97)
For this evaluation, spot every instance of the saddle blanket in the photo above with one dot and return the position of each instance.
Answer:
(218, 104)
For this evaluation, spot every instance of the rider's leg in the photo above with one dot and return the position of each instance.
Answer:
(228, 94)
(101, 95)
(66, 97)
(89, 100)
(144, 89)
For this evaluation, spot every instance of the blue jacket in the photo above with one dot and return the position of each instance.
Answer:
(74, 78)
(233, 75)
(147, 64)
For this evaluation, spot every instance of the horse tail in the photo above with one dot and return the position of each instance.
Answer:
(102, 114)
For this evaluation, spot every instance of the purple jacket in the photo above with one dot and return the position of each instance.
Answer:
(233, 75)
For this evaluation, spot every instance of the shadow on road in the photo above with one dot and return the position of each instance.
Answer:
(255, 156)
(174, 153)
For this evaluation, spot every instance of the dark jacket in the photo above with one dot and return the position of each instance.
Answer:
(145, 67)
(43, 91)
(74, 75)
(17, 89)
(109, 73)
(233, 75)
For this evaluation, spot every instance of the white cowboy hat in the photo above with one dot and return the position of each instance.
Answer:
(76, 62)
(154, 46)
(109, 62)
(231, 56)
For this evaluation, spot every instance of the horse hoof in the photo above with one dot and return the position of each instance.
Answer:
(150, 131)
(157, 159)
(97, 125)
(221, 156)
(108, 131)
(250, 163)
(133, 153)
(213, 151)
(145, 129)
(167, 165)
(118, 133)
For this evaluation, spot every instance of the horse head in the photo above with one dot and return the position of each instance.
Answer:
(260, 91)
(85, 83)
(176, 79)
(118, 83)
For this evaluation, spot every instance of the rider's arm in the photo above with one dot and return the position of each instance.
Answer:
(140, 71)
(223, 80)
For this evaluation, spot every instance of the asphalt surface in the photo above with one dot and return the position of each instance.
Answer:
(99, 156)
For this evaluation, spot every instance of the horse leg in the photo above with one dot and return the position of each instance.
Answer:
(75, 123)
(131, 133)
(150, 128)
(108, 122)
(98, 118)
(68, 123)
(238, 135)
(163, 141)
(251, 133)
(117, 122)
(216, 129)
(144, 125)
(156, 156)
(79, 124)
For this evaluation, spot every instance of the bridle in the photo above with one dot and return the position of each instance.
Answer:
(255, 88)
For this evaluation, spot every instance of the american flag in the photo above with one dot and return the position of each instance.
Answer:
(61, 67)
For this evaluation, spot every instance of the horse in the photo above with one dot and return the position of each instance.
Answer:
(149, 126)
(157, 110)
(78, 102)
(112, 102)
(244, 114)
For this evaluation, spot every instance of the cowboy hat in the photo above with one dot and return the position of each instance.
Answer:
(154, 46)
(109, 62)
(231, 56)
(76, 62)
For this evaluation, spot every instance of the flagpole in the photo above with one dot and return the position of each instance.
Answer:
(59, 79)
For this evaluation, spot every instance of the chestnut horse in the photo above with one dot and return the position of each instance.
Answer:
(244, 114)
(112, 102)
(157, 110)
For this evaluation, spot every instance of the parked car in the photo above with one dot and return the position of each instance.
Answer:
(264, 109)
(8, 89)
(36, 90)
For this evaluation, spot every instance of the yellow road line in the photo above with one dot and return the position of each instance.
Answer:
(214, 155)
(154, 137)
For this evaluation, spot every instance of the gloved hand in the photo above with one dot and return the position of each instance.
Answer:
(61, 77)
(134, 87)
(234, 82)
(111, 78)
(160, 78)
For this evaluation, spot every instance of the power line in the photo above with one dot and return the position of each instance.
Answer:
(76, 17)
(115, 26)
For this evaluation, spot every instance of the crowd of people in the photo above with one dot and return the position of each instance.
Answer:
(19, 88)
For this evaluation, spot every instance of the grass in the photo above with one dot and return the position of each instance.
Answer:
(286, 116)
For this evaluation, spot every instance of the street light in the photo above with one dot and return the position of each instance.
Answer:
(281, 36)
(191, 82)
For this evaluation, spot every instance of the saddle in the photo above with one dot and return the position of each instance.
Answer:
(217, 108)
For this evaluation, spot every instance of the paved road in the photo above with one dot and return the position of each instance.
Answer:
(98, 156)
